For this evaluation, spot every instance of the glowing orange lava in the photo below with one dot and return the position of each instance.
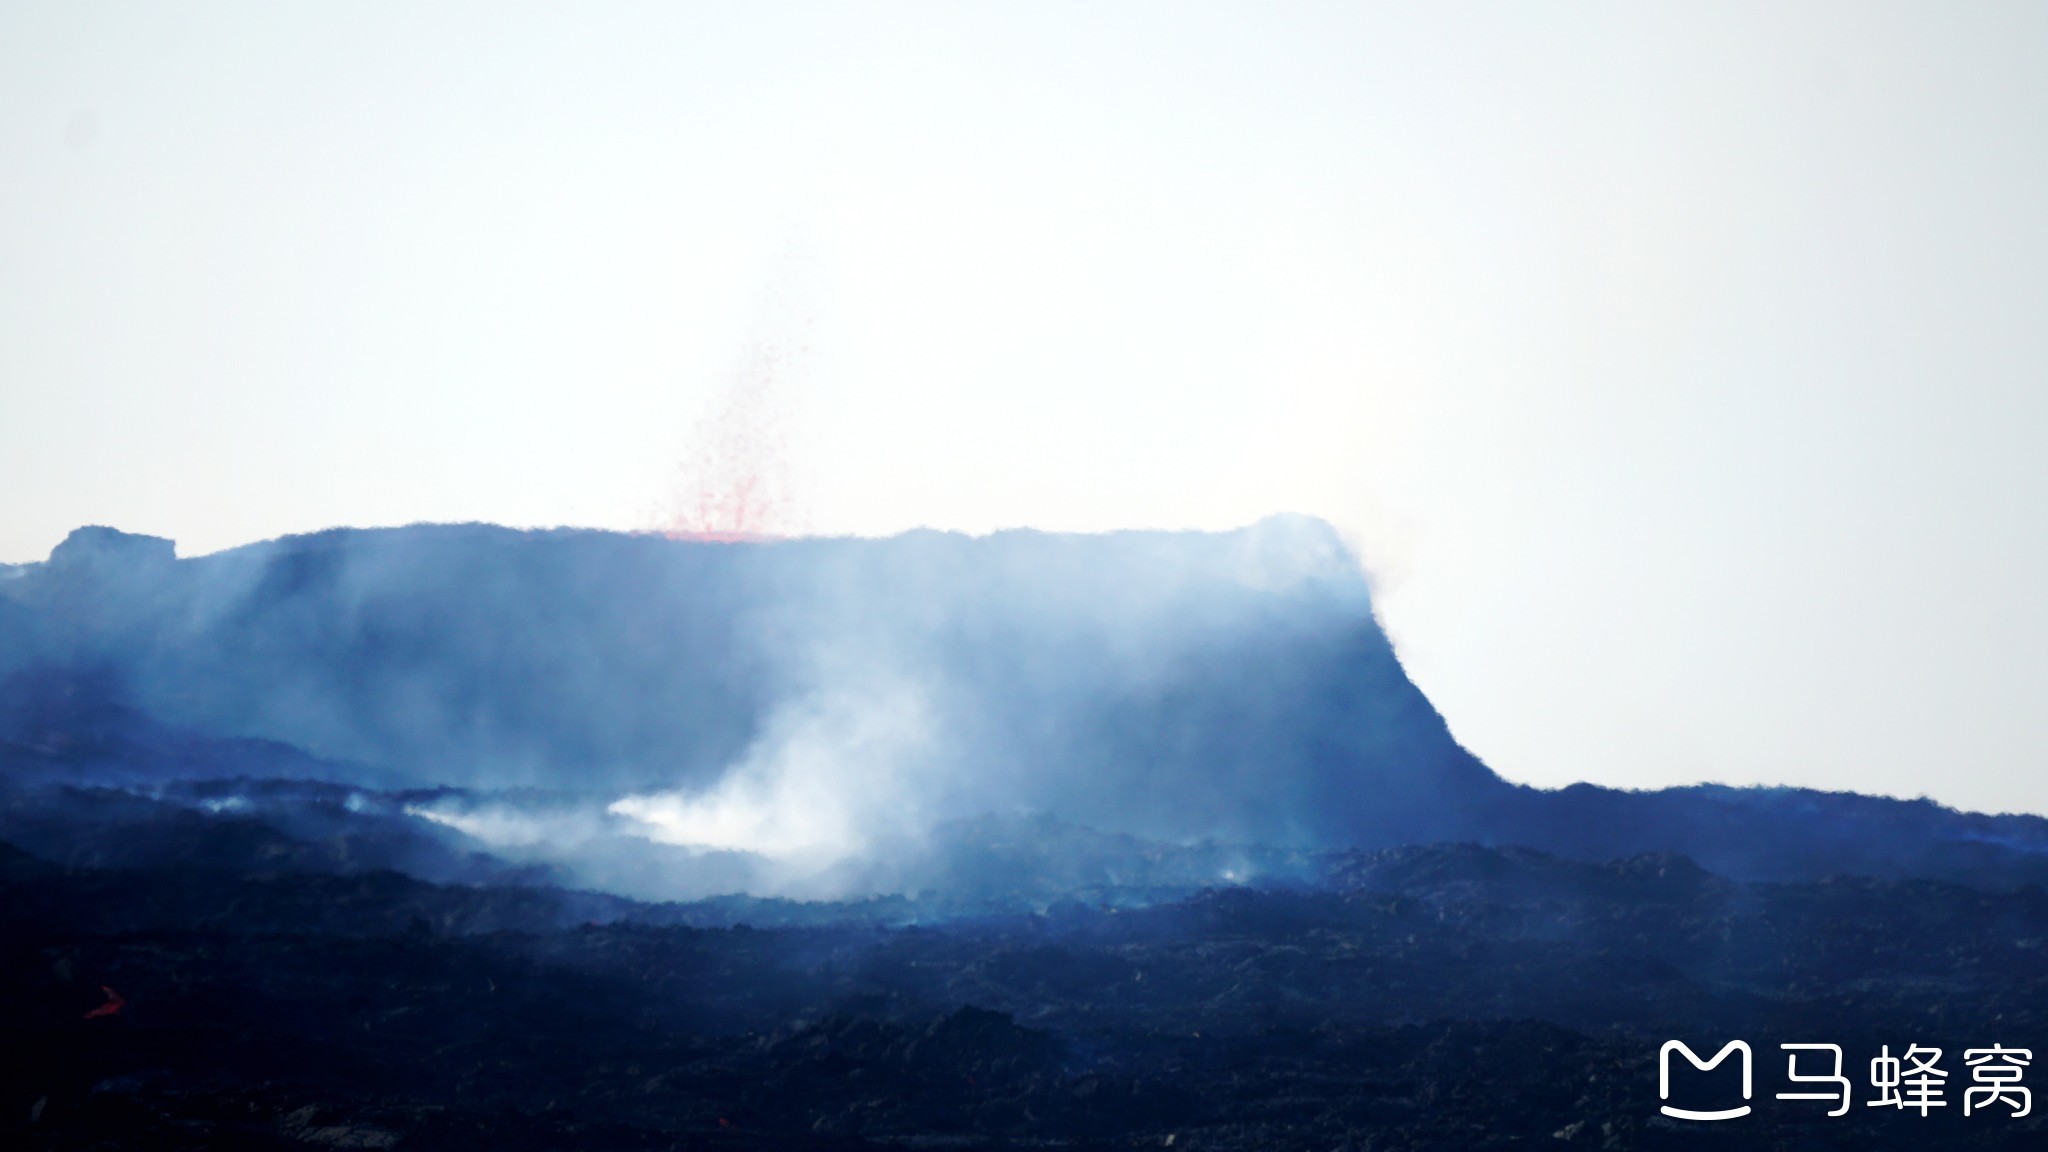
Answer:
(112, 1007)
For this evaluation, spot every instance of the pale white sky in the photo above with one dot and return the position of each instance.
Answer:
(1678, 369)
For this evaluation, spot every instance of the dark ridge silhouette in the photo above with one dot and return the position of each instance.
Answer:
(1140, 840)
(1025, 712)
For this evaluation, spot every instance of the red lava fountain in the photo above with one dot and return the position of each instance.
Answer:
(735, 485)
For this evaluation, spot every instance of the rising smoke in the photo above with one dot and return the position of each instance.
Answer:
(1022, 714)
(810, 716)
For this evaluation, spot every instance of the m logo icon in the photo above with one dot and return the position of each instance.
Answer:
(1664, 1078)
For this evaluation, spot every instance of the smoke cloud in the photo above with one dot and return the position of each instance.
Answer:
(811, 713)
(1025, 716)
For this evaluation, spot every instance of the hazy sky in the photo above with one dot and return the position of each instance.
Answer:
(1677, 369)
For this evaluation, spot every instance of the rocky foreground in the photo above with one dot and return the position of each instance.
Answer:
(1438, 997)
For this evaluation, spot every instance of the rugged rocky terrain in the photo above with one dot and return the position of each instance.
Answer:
(1436, 997)
(443, 838)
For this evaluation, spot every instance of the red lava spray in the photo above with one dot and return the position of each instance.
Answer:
(111, 1008)
(735, 484)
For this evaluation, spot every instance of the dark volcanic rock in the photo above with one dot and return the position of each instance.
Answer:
(1090, 678)
(1447, 997)
(1198, 867)
(1164, 688)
